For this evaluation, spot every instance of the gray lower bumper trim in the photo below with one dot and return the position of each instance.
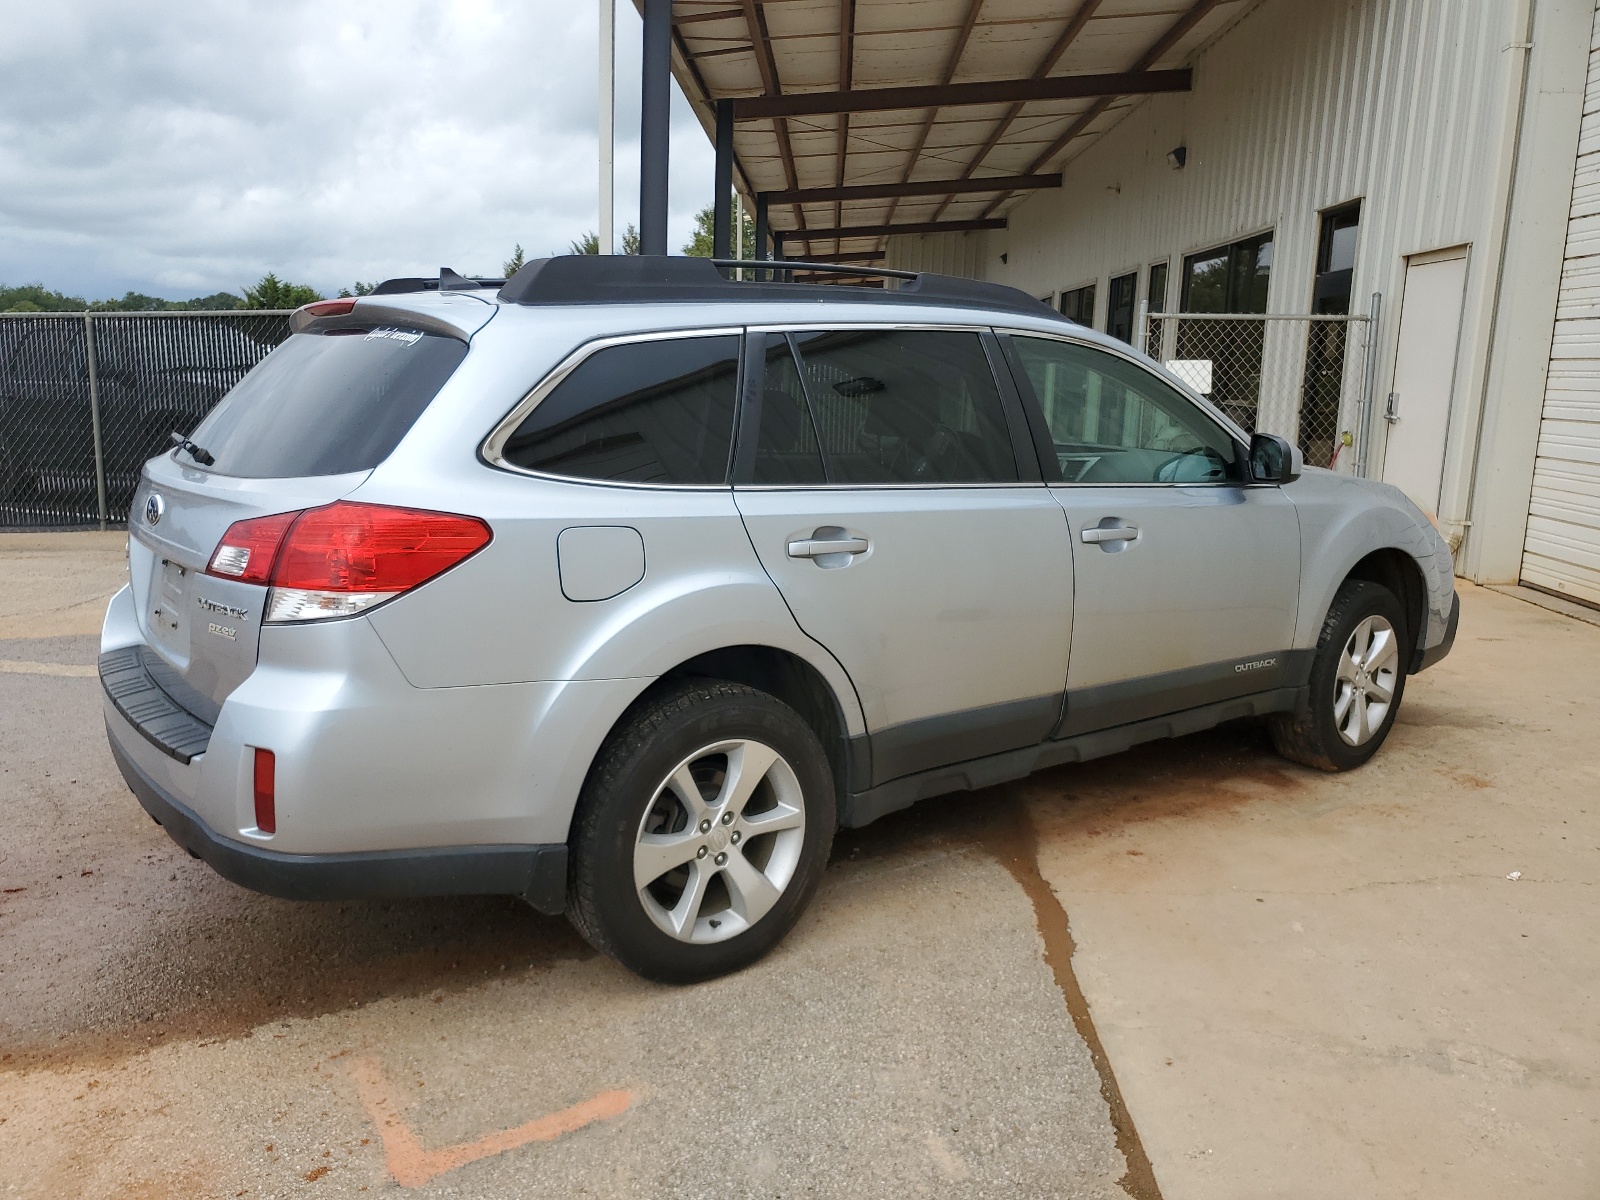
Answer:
(1426, 658)
(536, 873)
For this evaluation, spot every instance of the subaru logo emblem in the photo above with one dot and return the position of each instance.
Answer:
(154, 506)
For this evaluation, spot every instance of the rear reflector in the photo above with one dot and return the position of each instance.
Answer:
(266, 792)
(343, 558)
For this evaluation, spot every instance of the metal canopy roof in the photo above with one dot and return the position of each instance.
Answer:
(859, 118)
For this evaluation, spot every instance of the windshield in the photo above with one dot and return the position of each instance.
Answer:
(327, 403)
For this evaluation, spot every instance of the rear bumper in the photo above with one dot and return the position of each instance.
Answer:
(536, 873)
(1426, 658)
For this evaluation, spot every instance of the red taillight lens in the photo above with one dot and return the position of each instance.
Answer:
(349, 547)
(329, 308)
(249, 548)
(266, 791)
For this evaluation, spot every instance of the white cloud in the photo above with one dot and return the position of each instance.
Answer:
(180, 148)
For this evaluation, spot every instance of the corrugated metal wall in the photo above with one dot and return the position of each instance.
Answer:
(1562, 552)
(1305, 104)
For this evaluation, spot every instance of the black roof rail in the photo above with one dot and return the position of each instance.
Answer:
(448, 281)
(656, 278)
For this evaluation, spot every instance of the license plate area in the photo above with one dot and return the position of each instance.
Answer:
(170, 607)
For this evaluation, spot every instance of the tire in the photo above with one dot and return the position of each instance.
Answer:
(680, 885)
(1361, 657)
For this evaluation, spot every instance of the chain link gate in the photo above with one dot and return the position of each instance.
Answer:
(86, 398)
(1306, 377)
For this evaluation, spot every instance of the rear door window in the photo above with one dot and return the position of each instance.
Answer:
(657, 411)
(327, 403)
(905, 406)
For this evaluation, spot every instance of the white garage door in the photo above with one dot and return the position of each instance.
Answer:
(1562, 552)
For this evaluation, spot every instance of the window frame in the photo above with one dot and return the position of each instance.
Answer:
(1093, 288)
(746, 432)
(491, 450)
(1133, 305)
(1044, 442)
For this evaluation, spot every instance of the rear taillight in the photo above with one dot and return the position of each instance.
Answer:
(249, 548)
(266, 786)
(341, 559)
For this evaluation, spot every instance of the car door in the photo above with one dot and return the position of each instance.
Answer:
(1187, 576)
(880, 481)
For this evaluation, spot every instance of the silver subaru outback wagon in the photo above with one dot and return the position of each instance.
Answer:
(621, 586)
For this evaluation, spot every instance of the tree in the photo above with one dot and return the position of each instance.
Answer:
(273, 292)
(513, 264)
(589, 243)
(361, 289)
(704, 241)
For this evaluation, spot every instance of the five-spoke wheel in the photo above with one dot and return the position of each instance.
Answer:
(1365, 680)
(702, 831)
(720, 841)
(1357, 679)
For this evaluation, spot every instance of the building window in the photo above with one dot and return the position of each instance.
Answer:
(1326, 341)
(1229, 279)
(1078, 305)
(1157, 298)
(1119, 306)
(1154, 334)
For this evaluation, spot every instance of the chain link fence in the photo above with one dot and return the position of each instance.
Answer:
(86, 398)
(1305, 377)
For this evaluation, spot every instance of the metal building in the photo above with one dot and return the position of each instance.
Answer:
(1371, 225)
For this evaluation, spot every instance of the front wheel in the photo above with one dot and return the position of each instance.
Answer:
(702, 832)
(1357, 680)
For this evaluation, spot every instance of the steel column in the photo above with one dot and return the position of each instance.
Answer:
(94, 419)
(608, 125)
(722, 183)
(655, 98)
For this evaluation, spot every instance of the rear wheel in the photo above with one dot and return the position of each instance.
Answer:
(1357, 681)
(702, 832)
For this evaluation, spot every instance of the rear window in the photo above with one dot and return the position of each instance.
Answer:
(658, 411)
(327, 403)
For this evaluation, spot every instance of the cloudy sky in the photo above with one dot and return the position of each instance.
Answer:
(181, 147)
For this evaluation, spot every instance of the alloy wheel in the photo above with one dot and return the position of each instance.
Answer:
(1365, 680)
(720, 841)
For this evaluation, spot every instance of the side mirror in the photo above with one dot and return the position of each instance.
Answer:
(1273, 459)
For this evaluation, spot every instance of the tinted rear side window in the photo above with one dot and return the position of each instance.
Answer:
(644, 412)
(327, 403)
(906, 406)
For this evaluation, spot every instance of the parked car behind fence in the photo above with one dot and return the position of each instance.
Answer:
(147, 374)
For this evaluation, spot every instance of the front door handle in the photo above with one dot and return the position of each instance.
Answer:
(1111, 533)
(816, 547)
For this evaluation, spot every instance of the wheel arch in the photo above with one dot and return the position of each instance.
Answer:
(1395, 570)
(788, 677)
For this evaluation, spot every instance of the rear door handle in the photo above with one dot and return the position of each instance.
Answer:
(1115, 533)
(814, 547)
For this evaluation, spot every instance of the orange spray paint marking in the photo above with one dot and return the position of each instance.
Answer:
(412, 1166)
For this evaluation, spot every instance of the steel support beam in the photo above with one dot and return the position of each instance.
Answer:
(655, 97)
(920, 187)
(873, 231)
(722, 183)
(762, 233)
(847, 256)
(998, 91)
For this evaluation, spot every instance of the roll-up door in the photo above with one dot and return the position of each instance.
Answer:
(1562, 550)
